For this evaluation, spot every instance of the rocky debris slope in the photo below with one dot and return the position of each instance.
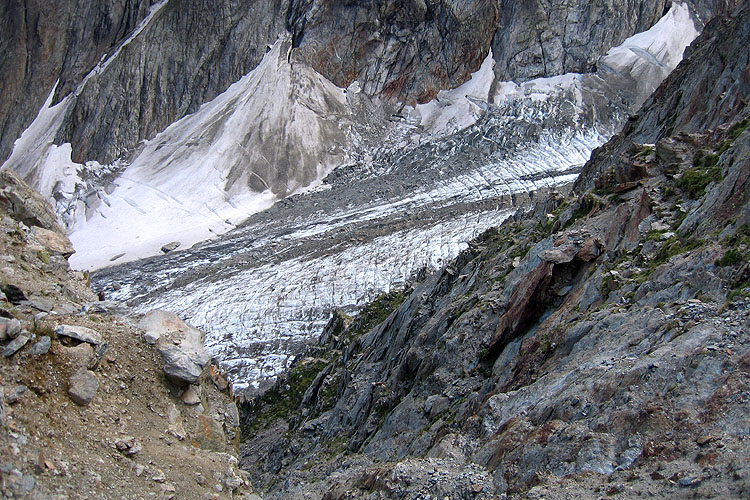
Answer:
(595, 345)
(88, 409)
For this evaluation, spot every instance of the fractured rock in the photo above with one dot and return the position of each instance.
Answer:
(83, 386)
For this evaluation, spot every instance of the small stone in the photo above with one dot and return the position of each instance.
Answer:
(232, 482)
(169, 247)
(690, 482)
(41, 347)
(128, 446)
(80, 333)
(15, 345)
(615, 489)
(139, 470)
(159, 476)
(15, 394)
(191, 396)
(13, 328)
(83, 386)
(704, 440)
(27, 483)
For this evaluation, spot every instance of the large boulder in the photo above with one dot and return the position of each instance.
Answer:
(180, 345)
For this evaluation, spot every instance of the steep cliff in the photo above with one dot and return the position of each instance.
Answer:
(596, 344)
(39, 48)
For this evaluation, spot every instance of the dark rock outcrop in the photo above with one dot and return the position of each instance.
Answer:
(543, 38)
(40, 46)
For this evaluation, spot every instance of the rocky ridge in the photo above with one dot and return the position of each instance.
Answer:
(593, 346)
(126, 90)
(88, 409)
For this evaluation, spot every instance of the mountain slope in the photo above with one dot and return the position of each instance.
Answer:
(594, 345)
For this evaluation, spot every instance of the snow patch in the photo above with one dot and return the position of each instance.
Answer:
(456, 109)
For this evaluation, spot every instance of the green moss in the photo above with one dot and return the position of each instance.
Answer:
(730, 258)
(376, 312)
(43, 256)
(646, 151)
(282, 401)
(675, 246)
(519, 251)
(704, 171)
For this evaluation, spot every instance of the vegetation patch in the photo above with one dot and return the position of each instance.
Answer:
(730, 258)
(283, 399)
(704, 171)
(376, 312)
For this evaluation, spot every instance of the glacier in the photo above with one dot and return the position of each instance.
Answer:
(347, 196)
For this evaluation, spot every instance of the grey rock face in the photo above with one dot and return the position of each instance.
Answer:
(403, 50)
(406, 49)
(182, 59)
(680, 102)
(503, 351)
(39, 48)
(543, 38)
(83, 386)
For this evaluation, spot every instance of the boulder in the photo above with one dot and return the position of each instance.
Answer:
(41, 346)
(169, 247)
(80, 333)
(180, 345)
(83, 386)
(55, 243)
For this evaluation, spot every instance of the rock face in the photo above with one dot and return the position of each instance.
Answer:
(593, 339)
(406, 49)
(182, 59)
(540, 38)
(38, 49)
